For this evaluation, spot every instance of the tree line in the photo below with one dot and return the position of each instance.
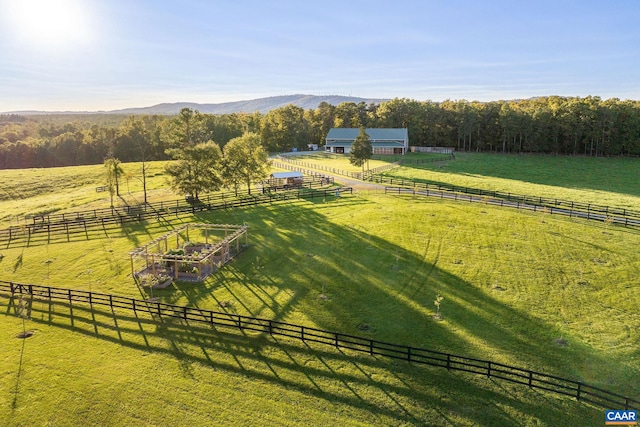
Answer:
(560, 125)
(203, 166)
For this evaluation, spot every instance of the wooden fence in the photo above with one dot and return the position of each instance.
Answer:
(292, 163)
(575, 389)
(622, 216)
(83, 221)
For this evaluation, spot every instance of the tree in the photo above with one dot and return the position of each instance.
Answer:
(245, 161)
(285, 128)
(361, 150)
(113, 171)
(320, 122)
(197, 169)
(135, 134)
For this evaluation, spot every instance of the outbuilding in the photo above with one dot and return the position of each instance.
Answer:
(284, 180)
(383, 140)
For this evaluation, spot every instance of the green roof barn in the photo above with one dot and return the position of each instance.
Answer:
(383, 140)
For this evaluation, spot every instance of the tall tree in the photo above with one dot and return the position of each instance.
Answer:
(285, 128)
(113, 172)
(197, 169)
(361, 150)
(135, 134)
(349, 115)
(245, 161)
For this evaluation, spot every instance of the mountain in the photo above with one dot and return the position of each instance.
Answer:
(261, 105)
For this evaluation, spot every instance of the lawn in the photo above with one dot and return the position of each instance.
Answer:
(604, 181)
(40, 191)
(337, 161)
(557, 295)
(513, 283)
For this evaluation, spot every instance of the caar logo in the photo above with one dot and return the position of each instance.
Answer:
(621, 418)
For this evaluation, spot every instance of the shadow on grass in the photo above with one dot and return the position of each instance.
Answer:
(376, 288)
(611, 174)
(132, 230)
(297, 254)
(393, 389)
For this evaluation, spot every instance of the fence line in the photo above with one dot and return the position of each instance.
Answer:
(285, 162)
(84, 221)
(441, 150)
(551, 383)
(451, 156)
(623, 216)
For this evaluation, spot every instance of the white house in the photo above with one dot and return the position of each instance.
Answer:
(383, 140)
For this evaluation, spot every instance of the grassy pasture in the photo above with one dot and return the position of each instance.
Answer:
(513, 283)
(603, 181)
(338, 161)
(41, 191)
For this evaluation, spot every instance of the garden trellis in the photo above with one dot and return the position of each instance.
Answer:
(189, 258)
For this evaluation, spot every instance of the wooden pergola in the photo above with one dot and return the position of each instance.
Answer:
(189, 260)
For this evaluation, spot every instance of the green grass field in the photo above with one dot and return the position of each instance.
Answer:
(603, 181)
(547, 293)
(338, 161)
(41, 191)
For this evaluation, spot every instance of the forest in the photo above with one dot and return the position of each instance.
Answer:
(588, 126)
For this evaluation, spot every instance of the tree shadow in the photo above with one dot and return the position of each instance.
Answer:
(376, 288)
(395, 390)
(368, 281)
(602, 174)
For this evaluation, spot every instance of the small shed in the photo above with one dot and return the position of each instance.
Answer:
(285, 180)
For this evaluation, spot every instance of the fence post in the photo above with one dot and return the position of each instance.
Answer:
(448, 362)
(488, 369)
(578, 391)
(409, 354)
(530, 378)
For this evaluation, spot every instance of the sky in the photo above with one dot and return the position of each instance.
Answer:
(94, 55)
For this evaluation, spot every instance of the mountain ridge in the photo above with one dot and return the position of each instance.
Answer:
(261, 105)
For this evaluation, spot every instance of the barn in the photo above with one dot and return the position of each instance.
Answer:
(383, 140)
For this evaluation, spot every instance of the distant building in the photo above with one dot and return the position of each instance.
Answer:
(383, 140)
(284, 180)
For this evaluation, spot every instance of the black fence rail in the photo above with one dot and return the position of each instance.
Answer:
(128, 210)
(623, 216)
(517, 204)
(407, 161)
(82, 222)
(440, 150)
(575, 389)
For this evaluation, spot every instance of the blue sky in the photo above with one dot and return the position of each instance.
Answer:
(110, 54)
